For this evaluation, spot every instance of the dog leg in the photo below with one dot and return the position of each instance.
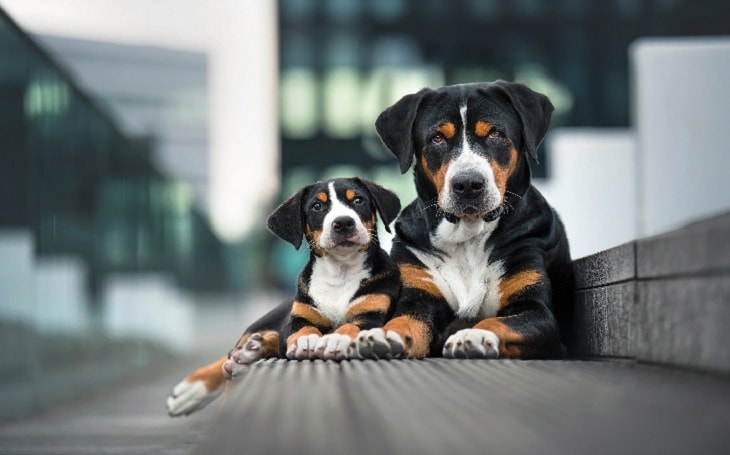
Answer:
(197, 390)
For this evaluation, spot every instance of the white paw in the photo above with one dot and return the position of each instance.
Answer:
(187, 397)
(304, 348)
(334, 346)
(472, 344)
(232, 369)
(251, 351)
(378, 344)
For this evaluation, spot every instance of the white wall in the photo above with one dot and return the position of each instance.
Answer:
(148, 306)
(681, 90)
(16, 276)
(592, 185)
(61, 302)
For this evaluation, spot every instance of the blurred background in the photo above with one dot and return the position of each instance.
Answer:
(143, 143)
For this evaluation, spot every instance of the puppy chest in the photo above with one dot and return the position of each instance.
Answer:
(332, 290)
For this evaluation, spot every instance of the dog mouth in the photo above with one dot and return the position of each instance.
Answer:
(471, 213)
(350, 241)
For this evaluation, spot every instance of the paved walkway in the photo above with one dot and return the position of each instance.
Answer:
(434, 406)
(127, 417)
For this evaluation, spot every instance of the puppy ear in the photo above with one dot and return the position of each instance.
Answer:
(534, 109)
(386, 201)
(395, 128)
(286, 221)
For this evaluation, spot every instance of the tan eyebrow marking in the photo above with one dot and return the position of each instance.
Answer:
(322, 196)
(482, 128)
(350, 195)
(448, 129)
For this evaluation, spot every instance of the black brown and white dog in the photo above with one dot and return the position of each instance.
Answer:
(347, 286)
(484, 260)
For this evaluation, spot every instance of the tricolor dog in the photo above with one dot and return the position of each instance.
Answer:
(484, 260)
(347, 285)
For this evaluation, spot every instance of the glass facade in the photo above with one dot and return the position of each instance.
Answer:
(343, 61)
(84, 189)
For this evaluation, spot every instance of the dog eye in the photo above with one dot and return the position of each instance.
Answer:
(495, 134)
(358, 200)
(317, 206)
(437, 139)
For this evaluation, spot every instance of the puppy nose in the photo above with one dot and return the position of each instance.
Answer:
(343, 225)
(468, 185)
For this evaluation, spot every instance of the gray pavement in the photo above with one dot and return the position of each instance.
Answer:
(434, 406)
(126, 417)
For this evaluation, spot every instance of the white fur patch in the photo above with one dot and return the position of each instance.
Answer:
(473, 344)
(187, 397)
(464, 275)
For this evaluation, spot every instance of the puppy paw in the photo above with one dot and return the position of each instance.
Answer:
(334, 346)
(304, 348)
(379, 344)
(472, 344)
(187, 397)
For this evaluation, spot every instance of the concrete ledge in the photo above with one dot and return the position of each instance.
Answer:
(664, 299)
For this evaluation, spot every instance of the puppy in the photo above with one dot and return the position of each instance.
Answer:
(347, 285)
(484, 260)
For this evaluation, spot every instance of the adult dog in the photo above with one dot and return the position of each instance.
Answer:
(347, 285)
(484, 260)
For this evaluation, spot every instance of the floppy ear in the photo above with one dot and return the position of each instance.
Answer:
(395, 128)
(386, 201)
(286, 221)
(534, 109)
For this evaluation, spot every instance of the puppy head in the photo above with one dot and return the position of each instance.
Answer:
(470, 143)
(336, 216)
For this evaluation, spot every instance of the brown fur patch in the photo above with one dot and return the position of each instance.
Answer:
(350, 195)
(482, 128)
(502, 174)
(304, 331)
(416, 277)
(439, 177)
(368, 304)
(448, 129)
(322, 196)
(511, 343)
(211, 375)
(310, 314)
(513, 285)
(351, 330)
(270, 344)
(415, 335)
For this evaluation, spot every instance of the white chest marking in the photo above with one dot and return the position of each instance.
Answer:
(465, 277)
(334, 282)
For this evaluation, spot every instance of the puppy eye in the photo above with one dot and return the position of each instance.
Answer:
(437, 139)
(495, 134)
(317, 206)
(358, 200)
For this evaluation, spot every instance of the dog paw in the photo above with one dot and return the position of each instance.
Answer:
(334, 346)
(304, 348)
(472, 344)
(379, 344)
(187, 397)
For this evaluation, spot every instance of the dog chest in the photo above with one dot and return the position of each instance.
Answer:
(332, 287)
(464, 274)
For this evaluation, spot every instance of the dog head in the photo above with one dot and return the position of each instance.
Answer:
(471, 144)
(337, 217)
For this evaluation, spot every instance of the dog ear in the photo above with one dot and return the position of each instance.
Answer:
(395, 128)
(534, 109)
(286, 221)
(386, 202)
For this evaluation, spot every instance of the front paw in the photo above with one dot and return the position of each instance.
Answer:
(379, 344)
(334, 346)
(304, 348)
(472, 344)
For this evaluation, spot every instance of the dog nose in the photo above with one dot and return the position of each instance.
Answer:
(468, 185)
(343, 225)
